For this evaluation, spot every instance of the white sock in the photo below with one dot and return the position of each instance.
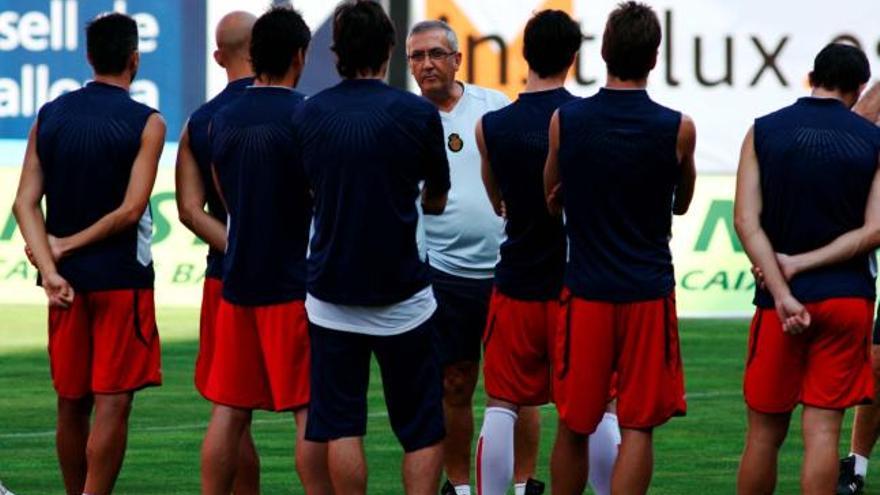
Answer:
(603, 453)
(861, 464)
(519, 489)
(495, 451)
(462, 489)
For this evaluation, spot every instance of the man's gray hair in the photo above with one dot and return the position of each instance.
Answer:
(423, 26)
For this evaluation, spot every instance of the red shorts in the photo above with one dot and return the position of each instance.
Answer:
(516, 365)
(261, 357)
(106, 342)
(827, 366)
(634, 344)
(211, 294)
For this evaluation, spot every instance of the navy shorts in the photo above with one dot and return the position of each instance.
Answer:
(411, 379)
(462, 309)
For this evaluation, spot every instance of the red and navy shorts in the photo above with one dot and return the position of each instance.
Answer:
(260, 357)
(516, 342)
(827, 366)
(211, 295)
(633, 347)
(106, 342)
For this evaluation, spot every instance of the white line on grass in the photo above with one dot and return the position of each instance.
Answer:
(379, 414)
(182, 427)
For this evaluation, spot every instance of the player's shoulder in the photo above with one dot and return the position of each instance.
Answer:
(775, 116)
(60, 101)
(664, 111)
(133, 107)
(490, 98)
(578, 104)
(501, 114)
(869, 131)
(409, 107)
(864, 126)
(326, 98)
(205, 111)
(763, 124)
(417, 102)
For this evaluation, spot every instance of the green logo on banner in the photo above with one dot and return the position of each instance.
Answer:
(720, 211)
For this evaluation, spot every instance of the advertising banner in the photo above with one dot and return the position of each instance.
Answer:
(43, 55)
(711, 269)
(722, 62)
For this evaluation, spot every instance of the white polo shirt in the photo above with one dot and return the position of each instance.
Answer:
(465, 239)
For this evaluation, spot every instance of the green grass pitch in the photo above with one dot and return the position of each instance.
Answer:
(695, 454)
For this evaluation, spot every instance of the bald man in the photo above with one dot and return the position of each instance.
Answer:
(195, 190)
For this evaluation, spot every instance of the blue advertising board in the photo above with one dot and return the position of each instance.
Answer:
(43, 55)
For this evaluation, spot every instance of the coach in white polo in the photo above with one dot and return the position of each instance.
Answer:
(462, 243)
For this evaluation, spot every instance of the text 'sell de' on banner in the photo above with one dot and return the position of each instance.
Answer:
(711, 270)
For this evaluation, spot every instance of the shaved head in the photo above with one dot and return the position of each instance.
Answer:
(233, 33)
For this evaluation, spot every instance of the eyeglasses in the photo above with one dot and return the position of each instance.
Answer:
(435, 54)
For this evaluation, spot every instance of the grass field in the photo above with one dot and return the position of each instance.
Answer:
(695, 454)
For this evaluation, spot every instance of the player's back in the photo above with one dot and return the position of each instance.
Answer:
(198, 129)
(366, 146)
(619, 168)
(87, 141)
(256, 160)
(516, 137)
(817, 160)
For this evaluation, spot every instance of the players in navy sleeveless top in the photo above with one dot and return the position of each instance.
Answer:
(92, 156)
(261, 342)
(619, 244)
(87, 141)
(806, 198)
(366, 175)
(622, 166)
(533, 255)
(198, 128)
(255, 159)
(817, 160)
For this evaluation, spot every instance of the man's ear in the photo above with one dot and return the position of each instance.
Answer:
(218, 57)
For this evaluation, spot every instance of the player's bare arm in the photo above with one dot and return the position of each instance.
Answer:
(29, 214)
(687, 143)
(552, 180)
(191, 199)
(137, 195)
(868, 105)
(847, 246)
(747, 219)
(489, 183)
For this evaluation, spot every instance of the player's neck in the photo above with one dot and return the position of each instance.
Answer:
(370, 74)
(446, 100)
(278, 82)
(535, 83)
(829, 94)
(614, 82)
(238, 71)
(288, 80)
(121, 80)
